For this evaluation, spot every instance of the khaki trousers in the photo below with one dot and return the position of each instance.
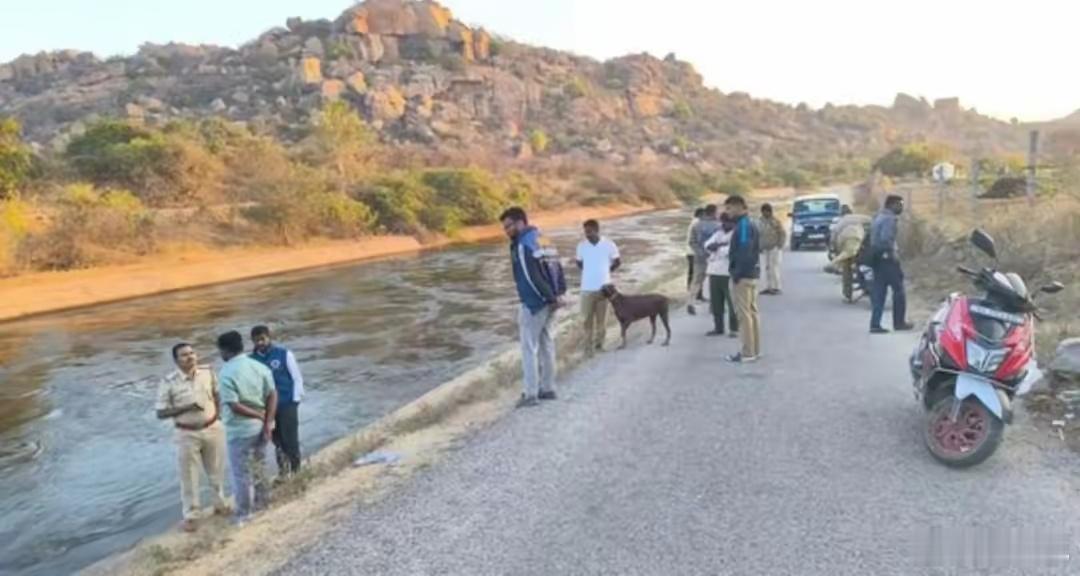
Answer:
(746, 303)
(697, 279)
(594, 312)
(772, 260)
(199, 452)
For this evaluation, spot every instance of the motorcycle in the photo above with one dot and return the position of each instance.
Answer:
(976, 355)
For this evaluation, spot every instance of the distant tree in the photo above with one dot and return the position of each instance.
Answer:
(342, 142)
(15, 158)
(912, 160)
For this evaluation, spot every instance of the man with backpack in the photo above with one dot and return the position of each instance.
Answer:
(540, 283)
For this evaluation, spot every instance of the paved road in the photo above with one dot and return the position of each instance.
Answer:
(667, 461)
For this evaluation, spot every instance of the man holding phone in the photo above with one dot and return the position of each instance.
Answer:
(189, 397)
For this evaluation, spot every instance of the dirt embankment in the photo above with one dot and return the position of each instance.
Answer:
(171, 271)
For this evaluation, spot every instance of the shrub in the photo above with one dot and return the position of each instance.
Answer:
(538, 140)
(15, 158)
(14, 226)
(305, 204)
(91, 227)
(398, 201)
(473, 193)
(796, 178)
(162, 168)
(732, 186)
(682, 111)
(911, 160)
(520, 189)
(340, 141)
(576, 87)
(687, 186)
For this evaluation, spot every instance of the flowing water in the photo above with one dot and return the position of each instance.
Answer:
(86, 469)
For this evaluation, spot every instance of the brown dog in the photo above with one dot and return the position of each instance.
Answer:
(630, 309)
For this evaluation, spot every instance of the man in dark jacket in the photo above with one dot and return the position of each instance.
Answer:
(887, 270)
(745, 255)
(538, 304)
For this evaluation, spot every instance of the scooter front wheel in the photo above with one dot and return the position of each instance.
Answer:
(966, 440)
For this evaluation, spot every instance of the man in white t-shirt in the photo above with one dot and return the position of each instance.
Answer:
(597, 258)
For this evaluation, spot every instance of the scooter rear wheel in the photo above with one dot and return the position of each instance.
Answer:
(969, 440)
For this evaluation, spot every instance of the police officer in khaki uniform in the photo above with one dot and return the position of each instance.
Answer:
(189, 397)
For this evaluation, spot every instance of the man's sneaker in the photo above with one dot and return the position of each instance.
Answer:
(878, 330)
(905, 327)
(691, 310)
(714, 333)
(733, 335)
(528, 402)
(740, 359)
(549, 395)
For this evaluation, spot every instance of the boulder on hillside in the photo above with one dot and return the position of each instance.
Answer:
(332, 90)
(310, 71)
(907, 103)
(947, 105)
(385, 104)
(481, 45)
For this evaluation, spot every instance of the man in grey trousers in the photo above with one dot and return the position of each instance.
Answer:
(536, 317)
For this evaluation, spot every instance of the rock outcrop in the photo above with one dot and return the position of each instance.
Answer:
(418, 74)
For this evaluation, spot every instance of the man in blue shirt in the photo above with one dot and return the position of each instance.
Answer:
(249, 403)
(289, 384)
(887, 270)
(536, 316)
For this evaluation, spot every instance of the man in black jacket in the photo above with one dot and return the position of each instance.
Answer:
(745, 256)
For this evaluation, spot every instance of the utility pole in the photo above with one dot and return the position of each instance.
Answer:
(1033, 161)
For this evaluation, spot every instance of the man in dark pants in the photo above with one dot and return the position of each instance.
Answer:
(290, 388)
(887, 270)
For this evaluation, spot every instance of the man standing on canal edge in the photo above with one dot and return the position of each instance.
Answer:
(745, 255)
(189, 396)
(539, 301)
(597, 258)
(289, 384)
(249, 409)
(698, 213)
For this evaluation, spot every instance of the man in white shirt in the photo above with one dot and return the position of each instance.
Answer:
(597, 258)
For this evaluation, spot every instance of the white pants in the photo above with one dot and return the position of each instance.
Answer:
(772, 262)
(537, 350)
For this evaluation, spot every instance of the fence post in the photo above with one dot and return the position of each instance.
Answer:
(1033, 160)
(975, 168)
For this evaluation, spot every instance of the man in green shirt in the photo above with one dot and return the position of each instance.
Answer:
(249, 404)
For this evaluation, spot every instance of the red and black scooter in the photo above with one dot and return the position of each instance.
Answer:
(976, 355)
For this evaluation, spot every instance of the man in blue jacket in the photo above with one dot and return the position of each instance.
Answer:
(537, 313)
(745, 256)
(289, 384)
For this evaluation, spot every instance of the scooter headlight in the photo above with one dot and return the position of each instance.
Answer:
(982, 360)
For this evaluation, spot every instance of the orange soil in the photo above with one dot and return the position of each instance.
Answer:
(40, 293)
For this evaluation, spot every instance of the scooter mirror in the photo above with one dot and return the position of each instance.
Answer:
(984, 242)
(1053, 288)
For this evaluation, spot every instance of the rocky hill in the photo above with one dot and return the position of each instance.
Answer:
(418, 75)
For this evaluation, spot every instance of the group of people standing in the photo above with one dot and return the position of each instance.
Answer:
(236, 412)
(733, 251)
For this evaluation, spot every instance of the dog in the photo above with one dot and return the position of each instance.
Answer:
(630, 309)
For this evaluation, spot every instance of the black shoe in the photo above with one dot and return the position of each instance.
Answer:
(549, 395)
(905, 327)
(691, 310)
(714, 333)
(527, 402)
(878, 330)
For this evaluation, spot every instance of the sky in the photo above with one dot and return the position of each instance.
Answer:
(1006, 58)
